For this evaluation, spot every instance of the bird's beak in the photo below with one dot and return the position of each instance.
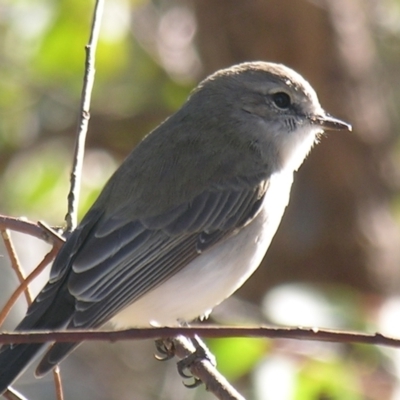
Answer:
(327, 122)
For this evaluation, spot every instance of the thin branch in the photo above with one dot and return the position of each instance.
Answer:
(15, 264)
(31, 228)
(58, 383)
(12, 394)
(51, 232)
(203, 369)
(88, 80)
(75, 180)
(24, 285)
(205, 331)
(43, 231)
(24, 288)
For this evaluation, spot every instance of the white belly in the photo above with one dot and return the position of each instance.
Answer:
(216, 273)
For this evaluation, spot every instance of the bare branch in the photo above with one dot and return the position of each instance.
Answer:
(15, 264)
(205, 331)
(88, 80)
(24, 285)
(51, 232)
(58, 383)
(12, 394)
(31, 228)
(203, 369)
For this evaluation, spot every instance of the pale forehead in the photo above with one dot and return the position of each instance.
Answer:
(267, 74)
(277, 72)
(294, 80)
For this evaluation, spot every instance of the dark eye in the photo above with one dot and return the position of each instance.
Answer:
(281, 100)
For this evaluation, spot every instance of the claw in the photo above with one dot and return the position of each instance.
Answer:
(197, 382)
(165, 348)
(185, 364)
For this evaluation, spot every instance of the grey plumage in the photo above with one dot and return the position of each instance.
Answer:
(211, 181)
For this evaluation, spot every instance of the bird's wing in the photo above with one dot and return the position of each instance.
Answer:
(122, 260)
(109, 262)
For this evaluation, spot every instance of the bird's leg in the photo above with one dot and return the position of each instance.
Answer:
(201, 353)
(166, 347)
(197, 354)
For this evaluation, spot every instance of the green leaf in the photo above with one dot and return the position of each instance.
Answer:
(237, 356)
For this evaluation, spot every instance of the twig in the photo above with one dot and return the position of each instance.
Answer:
(73, 196)
(207, 331)
(12, 394)
(24, 285)
(88, 80)
(30, 228)
(79, 151)
(58, 383)
(15, 264)
(51, 232)
(203, 369)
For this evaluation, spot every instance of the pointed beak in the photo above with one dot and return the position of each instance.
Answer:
(330, 123)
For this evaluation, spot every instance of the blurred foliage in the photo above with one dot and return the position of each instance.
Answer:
(323, 380)
(41, 68)
(248, 350)
(304, 370)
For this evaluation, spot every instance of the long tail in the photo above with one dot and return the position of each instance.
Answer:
(14, 359)
(54, 356)
(52, 309)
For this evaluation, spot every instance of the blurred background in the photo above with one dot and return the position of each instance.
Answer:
(335, 261)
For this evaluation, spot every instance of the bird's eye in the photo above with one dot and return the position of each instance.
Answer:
(281, 100)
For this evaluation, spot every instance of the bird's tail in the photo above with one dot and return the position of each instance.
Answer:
(56, 353)
(14, 359)
(48, 311)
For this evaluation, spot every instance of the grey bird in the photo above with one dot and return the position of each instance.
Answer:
(187, 217)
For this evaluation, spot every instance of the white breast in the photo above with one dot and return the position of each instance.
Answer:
(216, 273)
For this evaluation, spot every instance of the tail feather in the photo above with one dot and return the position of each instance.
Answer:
(52, 309)
(14, 359)
(56, 353)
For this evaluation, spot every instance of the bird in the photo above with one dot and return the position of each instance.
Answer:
(186, 218)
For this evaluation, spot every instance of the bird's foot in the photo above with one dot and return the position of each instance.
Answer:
(202, 353)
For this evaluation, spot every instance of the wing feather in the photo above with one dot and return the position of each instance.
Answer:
(138, 262)
(111, 261)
